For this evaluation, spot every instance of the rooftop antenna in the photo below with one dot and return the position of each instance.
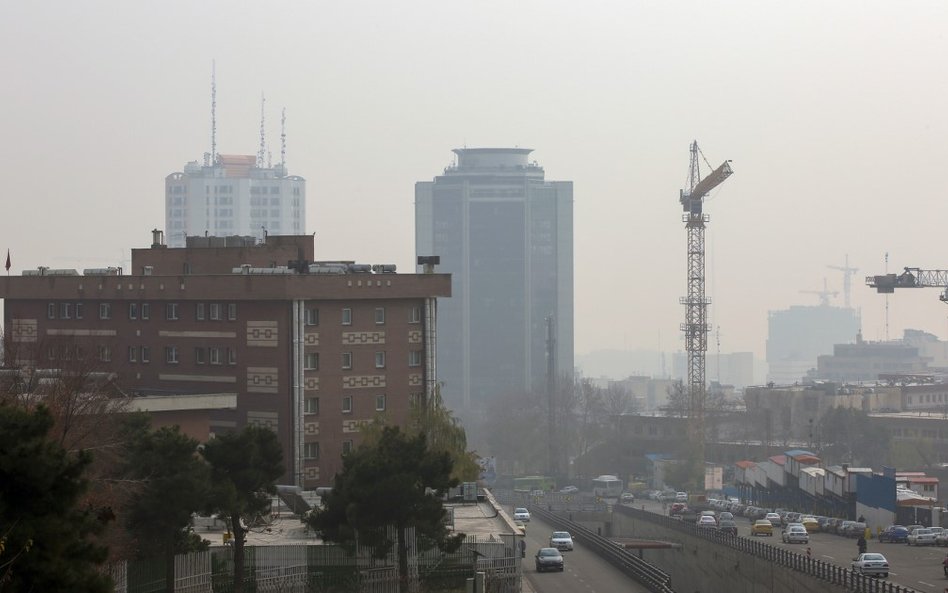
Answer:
(213, 112)
(283, 138)
(262, 152)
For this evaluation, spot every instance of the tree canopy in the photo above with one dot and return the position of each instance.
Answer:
(384, 484)
(45, 540)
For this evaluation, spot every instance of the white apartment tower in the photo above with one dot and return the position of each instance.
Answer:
(233, 196)
(505, 234)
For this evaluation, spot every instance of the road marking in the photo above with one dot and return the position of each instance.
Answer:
(830, 557)
(926, 584)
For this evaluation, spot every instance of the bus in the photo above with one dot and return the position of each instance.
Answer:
(531, 483)
(607, 486)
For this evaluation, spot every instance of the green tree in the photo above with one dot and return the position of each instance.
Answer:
(174, 484)
(45, 540)
(848, 436)
(385, 484)
(429, 416)
(244, 468)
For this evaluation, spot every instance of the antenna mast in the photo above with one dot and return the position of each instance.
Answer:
(283, 138)
(262, 151)
(213, 112)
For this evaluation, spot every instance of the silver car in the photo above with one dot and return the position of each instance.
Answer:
(561, 540)
(872, 564)
(795, 534)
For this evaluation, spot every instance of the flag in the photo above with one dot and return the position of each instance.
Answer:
(8, 261)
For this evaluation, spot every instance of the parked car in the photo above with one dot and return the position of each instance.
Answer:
(726, 516)
(681, 496)
(811, 524)
(942, 538)
(762, 527)
(857, 529)
(521, 526)
(727, 526)
(792, 517)
(795, 534)
(569, 489)
(872, 564)
(923, 536)
(707, 522)
(894, 534)
(549, 559)
(844, 527)
(521, 514)
(561, 540)
(774, 519)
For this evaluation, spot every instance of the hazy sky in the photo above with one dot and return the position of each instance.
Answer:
(835, 115)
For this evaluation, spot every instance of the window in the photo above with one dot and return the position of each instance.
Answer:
(146, 311)
(105, 310)
(214, 355)
(231, 356)
(347, 404)
(346, 447)
(171, 311)
(312, 317)
(65, 311)
(379, 315)
(171, 354)
(414, 358)
(132, 354)
(65, 353)
(346, 360)
(311, 362)
(311, 405)
(51, 311)
(146, 354)
(415, 315)
(215, 311)
(78, 310)
(379, 403)
(199, 311)
(133, 310)
(104, 353)
(232, 311)
(51, 352)
(310, 450)
(198, 355)
(380, 360)
(347, 316)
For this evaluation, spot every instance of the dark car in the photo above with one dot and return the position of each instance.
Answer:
(728, 526)
(549, 559)
(894, 534)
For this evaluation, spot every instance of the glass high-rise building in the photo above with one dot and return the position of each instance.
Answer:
(505, 234)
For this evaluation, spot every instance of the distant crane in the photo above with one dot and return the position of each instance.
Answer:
(848, 274)
(696, 303)
(825, 294)
(911, 278)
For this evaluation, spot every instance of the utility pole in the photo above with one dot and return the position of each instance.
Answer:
(553, 462)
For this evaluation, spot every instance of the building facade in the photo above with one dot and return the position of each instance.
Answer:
(505, 234)
(311, 350)
(797, 336)
(234, 196)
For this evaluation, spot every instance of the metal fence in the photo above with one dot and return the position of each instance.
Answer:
(327, 568)
(824, 571)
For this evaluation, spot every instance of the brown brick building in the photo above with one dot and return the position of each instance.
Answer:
(223, 333)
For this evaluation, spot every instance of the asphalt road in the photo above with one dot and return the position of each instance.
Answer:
(583, 571)
(910, 566)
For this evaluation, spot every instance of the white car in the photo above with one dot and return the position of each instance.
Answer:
(569, 489)
(681, 497)
(707, 521)
(921, 536)
(795, 534)
(774, 519)
(521, 514)
(561, 540)
(873, 564)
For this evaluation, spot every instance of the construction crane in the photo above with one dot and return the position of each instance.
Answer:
(911, 278)
(696, 303)
(824, 294)
(848, 274)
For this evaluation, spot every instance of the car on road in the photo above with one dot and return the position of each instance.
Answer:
(521, 514)
(681, 496)
(795, 534)
(810, 522)
(774, 519)
(762, 527)
(548, 559)
(627, 497)
(569, 489)
(922, 536)
(561, 540)
(677, 508)
(707, 522)
(872, 564)
(727, 526)
(726, 516)
(894, 534)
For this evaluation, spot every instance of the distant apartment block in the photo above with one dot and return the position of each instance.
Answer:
(234, 196)
(505, 234)
(227, 332)
(797, 336)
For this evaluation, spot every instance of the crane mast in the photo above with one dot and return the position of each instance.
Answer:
(696, 302)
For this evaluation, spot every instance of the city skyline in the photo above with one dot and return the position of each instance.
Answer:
(831, 114)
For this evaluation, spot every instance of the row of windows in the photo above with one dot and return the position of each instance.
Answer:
(202, 311)
(311, 404)
(311, 450)
(312, 316)
(311, 360)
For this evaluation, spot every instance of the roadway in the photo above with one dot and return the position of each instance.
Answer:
(583, 571)
(917, 567)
